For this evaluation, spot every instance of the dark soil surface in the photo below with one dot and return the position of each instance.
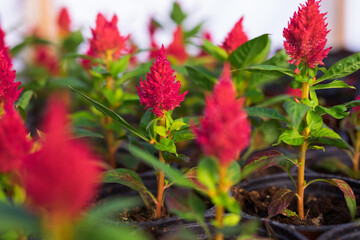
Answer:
(319, 210)
(138, 214)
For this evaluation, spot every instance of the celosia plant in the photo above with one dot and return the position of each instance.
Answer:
(224, 132)
(64, 22)
(236, 37)
(176, 49)
(60, 179)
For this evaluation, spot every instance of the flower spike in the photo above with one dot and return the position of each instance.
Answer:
(236, 37)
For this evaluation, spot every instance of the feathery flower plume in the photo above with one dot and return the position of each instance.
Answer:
(61, 177)
(160, 91)
(64, 22)
(14, 144)
(305, 37)
(236, 37)
(106, 40)
(224, 130)
(176, 48)
(3, 47)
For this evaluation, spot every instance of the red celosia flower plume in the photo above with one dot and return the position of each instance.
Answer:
(224, 130)
(236, 37)
(106, 39)
(64, 22)
(3, 47)
(46, 57)
(177, 49)
(160, 91)
(293, 92)
(305, 37)
(62, 177)
(14, 144)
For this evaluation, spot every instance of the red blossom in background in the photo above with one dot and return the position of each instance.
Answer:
(14, 144)
(305, 37)
(236, 37)
(45, 57)
(293, 92)
(106, 39)
(3, 46)
(176, 48)
(224, 130)
(64, 22)
(160, 91)
(62, 177)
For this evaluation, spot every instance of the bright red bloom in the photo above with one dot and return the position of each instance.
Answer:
(62, 177)
(293, 92)
(236, 37)
(224, 130)
(64, 22)
(305, 37)
(3, 47)
(160, 91)
(9, 91)
(14, 144)
(106, 39)
(177, 49)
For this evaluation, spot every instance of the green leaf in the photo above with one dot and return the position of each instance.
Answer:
(72, 42)
(291, 137)
(166, 144)
(270, 70)
(25, 98)
(192, 176)
(280, 201)
(351, 104)
(181, 136)
(146, 119)
(338, 111)
(201, 79)
(83, 132)
(231, 219)
(177, 15)
(247, 53)
(161, 130)
(333, 84)
(340, 143)
(215, 51)
(119, 66)
(207, 172)
(171, 173)
(265, 113)
(28, 41)
(177, 124)
(273, 100)
(314, 121)
(193, 32)
(347, 191)
(108, 112)
(325, 132)
(180, 158)
(75, 82)
(270, 130)
(296, 111)
(234, 173)
(342, 68)
(83, 119)
(132, 180)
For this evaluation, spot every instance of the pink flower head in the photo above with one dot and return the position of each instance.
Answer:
(9, 91)
(357, 109)
(45, 57)
(305, 37)
(224, 130)
(236, 37)
(3, 46)
(293, 92)
(62, 177)
(14, 144)
(106, 38)
(64, 22)
(177, 47)
(160, 91)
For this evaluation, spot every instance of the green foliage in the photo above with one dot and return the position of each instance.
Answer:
(200, 78)
(207, 172)
(215, 51)
(265, 113)
(296, 111)
(177, 15)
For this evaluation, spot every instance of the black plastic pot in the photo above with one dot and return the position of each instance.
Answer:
(316, 189)
(349, 231)
(168, 230)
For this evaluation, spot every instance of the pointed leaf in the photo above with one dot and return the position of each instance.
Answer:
(108, 112)
(215, 51)
(132, 180)
(265, 113)
(342, 68)
(338, 111)
(192, 175)
(280, 201)
(333, 84)
(201, 79)
(177, 15)
(347, 191)
(291, 137)
(340, 143)
(166, 144)
(270, 70)
(249, 51)
(325, 132)
(83, 132)
(296, 111)
(314, 121)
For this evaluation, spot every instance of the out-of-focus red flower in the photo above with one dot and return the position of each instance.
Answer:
(236, 37)
(224, 130)
(176, 48)
(3, 47)
(45, 57)
(62, 177)
(293, 92)
(154, 52)
(206, 36)
(132, 50)
(9, 91)
(160, 92)
(305, 37)
(14, 144)
(64, 22)
(357, 109)
(106, 41)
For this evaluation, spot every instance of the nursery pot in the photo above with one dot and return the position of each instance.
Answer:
(316, 189)
(168, 229)
(349, 231)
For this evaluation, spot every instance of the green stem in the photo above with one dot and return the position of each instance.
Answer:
(219, 217)
(161, 180)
